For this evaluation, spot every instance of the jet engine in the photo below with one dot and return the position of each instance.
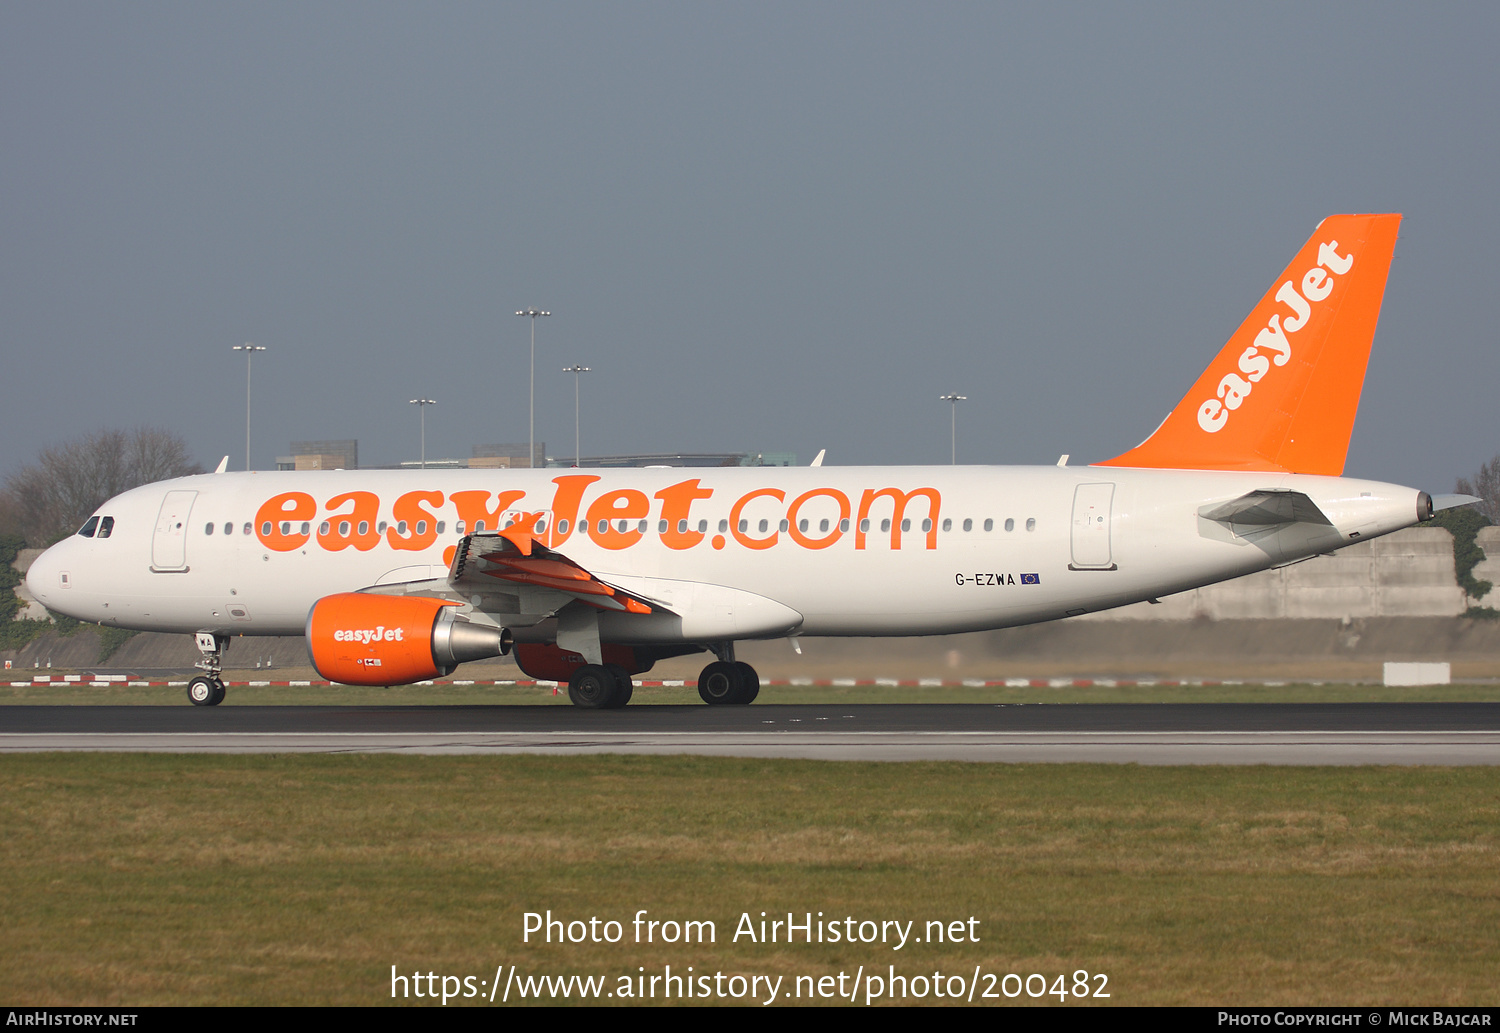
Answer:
(360, 638)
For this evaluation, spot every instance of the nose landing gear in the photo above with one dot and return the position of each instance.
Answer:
(207, 689)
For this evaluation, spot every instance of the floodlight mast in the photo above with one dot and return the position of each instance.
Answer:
(422, 404)
(953, 399)
(533, 312)
(576, 369)
(249, 350)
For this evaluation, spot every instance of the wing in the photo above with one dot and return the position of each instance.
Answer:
(513, 557)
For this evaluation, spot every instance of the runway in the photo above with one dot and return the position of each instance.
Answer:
(1176, 733)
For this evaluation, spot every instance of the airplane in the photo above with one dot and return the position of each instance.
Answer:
(591, 577)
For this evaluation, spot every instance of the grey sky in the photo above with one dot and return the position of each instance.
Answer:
(770, 227)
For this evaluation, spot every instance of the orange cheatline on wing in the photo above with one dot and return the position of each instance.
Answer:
(521, 558)
(523, 532)
(586, 585)
(561, 569)
(1282, 394)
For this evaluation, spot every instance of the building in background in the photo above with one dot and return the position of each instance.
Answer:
(321, 455)
(506, 457)
(344, 455)
(431, 464)
(699, 459)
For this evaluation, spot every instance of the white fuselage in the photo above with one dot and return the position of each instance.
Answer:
(1006, 546)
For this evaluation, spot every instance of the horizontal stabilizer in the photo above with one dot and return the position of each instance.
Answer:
(1442, 502)
(1267, 508)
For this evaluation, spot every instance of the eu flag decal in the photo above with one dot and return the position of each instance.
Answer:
(1031, 579)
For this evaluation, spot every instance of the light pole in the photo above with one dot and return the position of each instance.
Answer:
(533, 312)
(249, 350)
(422, 404)
(576, 369)
(953, 400)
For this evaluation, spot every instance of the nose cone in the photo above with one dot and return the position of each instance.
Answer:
(44, 578)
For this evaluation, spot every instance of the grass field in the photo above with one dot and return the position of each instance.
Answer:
(419, 695)
(146, 879)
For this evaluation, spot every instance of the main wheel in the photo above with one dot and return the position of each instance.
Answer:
(624, 686)
(724, 684)
(204, 691)
(750, 682)
(593, 687)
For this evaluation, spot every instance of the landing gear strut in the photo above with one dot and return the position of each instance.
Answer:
(728, 683)
(207, 689)
(600, 687)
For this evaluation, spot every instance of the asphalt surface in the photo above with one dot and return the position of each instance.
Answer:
(1164, 733)
(697, 718)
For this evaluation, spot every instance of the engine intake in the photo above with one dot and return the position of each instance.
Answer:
(359, 638)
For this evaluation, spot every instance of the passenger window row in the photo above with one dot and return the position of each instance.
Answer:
(102, 527)
(345, 527)
(229, 528)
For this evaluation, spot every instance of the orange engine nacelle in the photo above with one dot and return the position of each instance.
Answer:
(547, 661)
(363, 639)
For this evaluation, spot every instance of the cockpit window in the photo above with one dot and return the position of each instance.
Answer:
(106, 527)
(88, 529)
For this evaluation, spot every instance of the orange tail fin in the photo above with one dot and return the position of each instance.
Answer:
(1282, 394)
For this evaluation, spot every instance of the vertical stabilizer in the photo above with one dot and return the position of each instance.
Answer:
(1283, 393)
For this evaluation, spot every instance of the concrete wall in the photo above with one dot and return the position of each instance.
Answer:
(1406, 574)
(1282, 649)
(152, 652)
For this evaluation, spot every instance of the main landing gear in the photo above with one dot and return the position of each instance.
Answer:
(207, 689)
(600, 687)
(728, 683)
(608, 686)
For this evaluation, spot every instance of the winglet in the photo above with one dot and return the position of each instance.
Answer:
(523, 532)
(1282, 394)
(223, 465)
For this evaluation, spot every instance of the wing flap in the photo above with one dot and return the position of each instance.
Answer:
(483, 558)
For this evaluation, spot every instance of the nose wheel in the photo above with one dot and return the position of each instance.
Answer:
(205, 691)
